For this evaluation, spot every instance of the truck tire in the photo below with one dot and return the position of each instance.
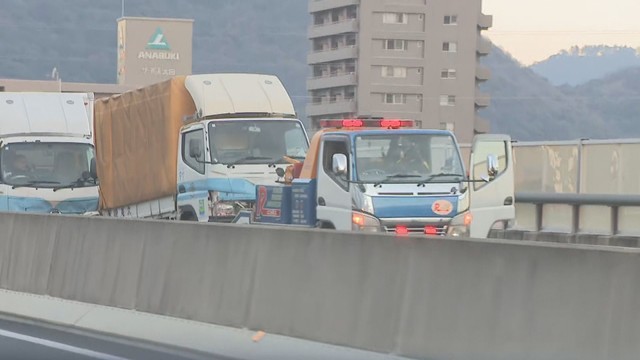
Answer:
(188, 216)
(325, 225)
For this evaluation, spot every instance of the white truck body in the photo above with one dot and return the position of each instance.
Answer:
(243, 126)
(51, 133)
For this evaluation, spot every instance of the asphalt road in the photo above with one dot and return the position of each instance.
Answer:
(32, 341)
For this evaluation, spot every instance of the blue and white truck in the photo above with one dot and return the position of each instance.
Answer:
(47, 153)
(386, 175)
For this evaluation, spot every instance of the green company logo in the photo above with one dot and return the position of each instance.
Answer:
(157, 41)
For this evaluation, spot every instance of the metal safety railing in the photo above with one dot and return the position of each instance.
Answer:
(577, 167)
(605, 214)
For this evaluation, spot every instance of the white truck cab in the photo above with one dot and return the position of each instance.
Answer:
(245, 126)
(384, 175)
(47, 153)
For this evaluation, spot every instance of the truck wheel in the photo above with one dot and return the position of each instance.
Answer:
(188, 216)
(325, 225)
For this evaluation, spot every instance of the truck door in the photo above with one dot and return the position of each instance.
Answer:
(334, 198)
(192, 188)
(492, 193)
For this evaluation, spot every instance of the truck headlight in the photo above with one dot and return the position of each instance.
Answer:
(223, 209)
(460, 225)
(364, 222)
(368, 205)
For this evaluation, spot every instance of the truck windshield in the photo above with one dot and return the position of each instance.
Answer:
(49, 165)
(256, 142)
(400, 158)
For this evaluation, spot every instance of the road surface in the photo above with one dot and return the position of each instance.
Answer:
(32, 341)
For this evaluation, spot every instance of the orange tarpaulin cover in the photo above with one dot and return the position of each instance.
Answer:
(136, 137)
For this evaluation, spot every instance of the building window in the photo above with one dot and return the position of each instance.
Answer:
(352, 12)
(451, 19)
(335, 16)
(318, 99)
(395, 18)
(394, 44)
(335, 96)
(449, 47)
(350, 67)
(335, 69)
(448, 74)
(349, 94)
(320, 70)
(395, 99)
(447, 100)
(350, 40)
(394, 71)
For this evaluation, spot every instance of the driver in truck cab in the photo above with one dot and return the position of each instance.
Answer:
(405, 154)
(19, 166)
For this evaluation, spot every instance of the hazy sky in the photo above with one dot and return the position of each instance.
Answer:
(532, 30)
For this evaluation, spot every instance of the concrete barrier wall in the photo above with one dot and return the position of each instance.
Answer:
(423, 298)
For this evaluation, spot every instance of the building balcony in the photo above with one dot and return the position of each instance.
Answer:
(481, 125)
(322, 5)
(483, 46)
(485, 22)
(482, 73)
(340, 27)
(332, 81)
(325, 56)
(482, 99)
(328, 107)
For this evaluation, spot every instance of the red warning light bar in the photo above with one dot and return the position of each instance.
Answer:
(369, 123)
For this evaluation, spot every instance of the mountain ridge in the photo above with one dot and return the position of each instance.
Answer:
(255, 36)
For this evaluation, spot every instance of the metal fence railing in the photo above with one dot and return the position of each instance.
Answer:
(576, 167)
(604, 214)
(577, 187)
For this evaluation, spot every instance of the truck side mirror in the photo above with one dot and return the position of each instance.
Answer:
(339, 164)
(493, 167)
(93, 170)
(195, 148)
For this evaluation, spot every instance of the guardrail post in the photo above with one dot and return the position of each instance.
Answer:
(539, 217)
(579, 169)
(614, 219)
(575, 223)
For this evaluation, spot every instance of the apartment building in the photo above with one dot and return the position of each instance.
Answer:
(413, 59)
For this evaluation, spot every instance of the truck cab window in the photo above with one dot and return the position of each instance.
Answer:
(256, 142)
(330, 148)
(46, 164)
(412, 156)
(481, 152)
(194, 140)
